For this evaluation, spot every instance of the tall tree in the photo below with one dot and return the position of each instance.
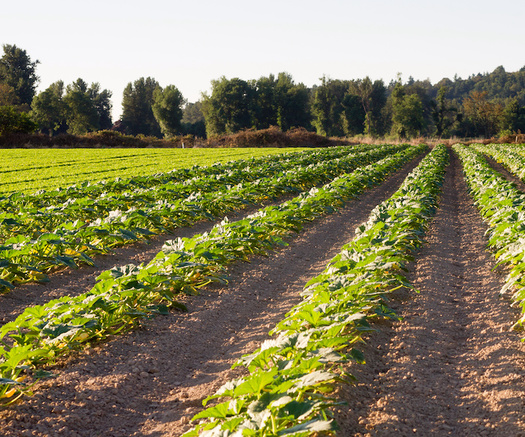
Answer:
(193, 120)
(485, 115)
(444, 113)
(423, 89)
(353, 116)
(322, 108)
(373, 98)
(513, 117)
(167, 109)
(378, 124)
(77, 108)
(137, 112)
(102, 102)
(363, 89)
(327, 107)
(8, 95)
(12, 121)
(292, 103)
(17, 71)
(81, 113)
(407, 113)
(265, 108)
(48, 108)
(281, 102)
(230, 107)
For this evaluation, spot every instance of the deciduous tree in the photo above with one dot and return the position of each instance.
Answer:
(485, 115)
(407, 113)
(265, 108)
(444, 113)
(102, 102)
(353, 116)
(48, 108)
(513, 117)
(81, 113)
(137, 112)
(373, 98)
(167, 109)
(8, 95)
(193, 120)
(327, 107)
(281, 102)
(12, 121)
(19, 72)
(292, 103)
(230, 107)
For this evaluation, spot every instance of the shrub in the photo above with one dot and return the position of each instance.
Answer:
(12, 121)
(271, 137)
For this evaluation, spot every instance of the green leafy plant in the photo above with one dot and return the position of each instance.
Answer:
(502, 206)
(291, 377)
(42, 236)
(125, 295)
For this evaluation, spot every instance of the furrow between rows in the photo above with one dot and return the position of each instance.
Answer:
(451, 366)
(153, 379)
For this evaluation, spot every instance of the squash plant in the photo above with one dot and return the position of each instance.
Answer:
(288, 391)
(125, 295)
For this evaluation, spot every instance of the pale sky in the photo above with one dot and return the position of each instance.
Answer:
(190, 43)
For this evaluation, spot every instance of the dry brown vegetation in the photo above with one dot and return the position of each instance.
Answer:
(271, 137)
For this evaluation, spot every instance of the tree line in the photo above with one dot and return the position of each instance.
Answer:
(483, 105)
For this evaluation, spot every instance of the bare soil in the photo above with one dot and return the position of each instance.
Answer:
(451, 367)
(153, 380)
(72, 282)
(506, 174)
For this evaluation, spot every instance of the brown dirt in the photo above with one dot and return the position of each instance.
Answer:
(72, 282)
(506, 174)
(452, 367)
(151, 381)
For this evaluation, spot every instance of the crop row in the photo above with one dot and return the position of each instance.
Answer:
(104, 197)
(122, 296)
(90, 189)
(502, 206)
(515, 147)
(139, 179)
(34, 169)
(505, 155)
(40, 240)
(291, 376)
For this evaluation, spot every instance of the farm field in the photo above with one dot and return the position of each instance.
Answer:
(47, 231)
(452, 366)
(29, 170)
